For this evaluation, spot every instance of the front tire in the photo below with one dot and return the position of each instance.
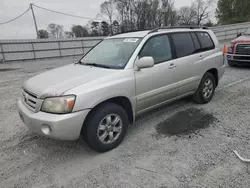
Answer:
(205, 91)
(106, 127)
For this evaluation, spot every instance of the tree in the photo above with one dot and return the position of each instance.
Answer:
(43, 34)
(107, 8)
(55, 30)
(174, 18)
(209, 24)
(168, 11)
(126, 14)
(105, 28)
(69, 34)
(119, 5)
(202, 11)
(79, 31)
(95, 28)
(187, 15)
(233, 11)
(145, 14)
(116, 27)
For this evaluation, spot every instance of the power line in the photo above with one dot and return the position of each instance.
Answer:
(15, 17)
(66, 14)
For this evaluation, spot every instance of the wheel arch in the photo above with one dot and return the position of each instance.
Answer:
(122, 101)
(214, 72)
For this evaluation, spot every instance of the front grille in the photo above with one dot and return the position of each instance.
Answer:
(29, 99)
(246, 58)
(243, 49)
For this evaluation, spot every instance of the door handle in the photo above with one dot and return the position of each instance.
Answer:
(201, 57)
(171, 66)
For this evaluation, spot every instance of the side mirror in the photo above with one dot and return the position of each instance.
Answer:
(145, 62)
(239, 34)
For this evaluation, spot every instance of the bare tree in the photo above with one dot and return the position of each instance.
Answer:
(202, 9)
(56, 30)
(79, 31)
(119, 4)
(153, 12)
(140, 13)
(167, 11)
(69, 34)
(187, 15)
(126, 14)
(145, 14)
(107, 8)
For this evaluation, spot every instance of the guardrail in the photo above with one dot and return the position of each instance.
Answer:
(229, 33)
(23, 50)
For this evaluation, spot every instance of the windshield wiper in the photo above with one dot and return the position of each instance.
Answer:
(97, 65)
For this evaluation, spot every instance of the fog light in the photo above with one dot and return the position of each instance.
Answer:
(229, 56)
(46, 129)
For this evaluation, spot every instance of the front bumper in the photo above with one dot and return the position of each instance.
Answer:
(63, 127)
(238, 58)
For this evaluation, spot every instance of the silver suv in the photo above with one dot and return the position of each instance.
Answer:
(121, 77)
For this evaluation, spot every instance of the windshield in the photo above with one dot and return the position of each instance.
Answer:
(247, 32)
(111, 53)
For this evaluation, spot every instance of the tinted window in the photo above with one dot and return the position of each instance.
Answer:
(196, 42)
(184, 45)
(157, 47)
(205, 40)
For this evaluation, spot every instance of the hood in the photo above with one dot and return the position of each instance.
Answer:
(58, 81)
(244, 38)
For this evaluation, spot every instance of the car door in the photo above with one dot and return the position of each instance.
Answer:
(207, 54)
(155, 85)
(187, 61)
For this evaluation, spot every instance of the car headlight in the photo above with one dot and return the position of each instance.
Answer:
(59, 105)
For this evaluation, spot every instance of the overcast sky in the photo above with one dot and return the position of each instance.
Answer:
(24, 27)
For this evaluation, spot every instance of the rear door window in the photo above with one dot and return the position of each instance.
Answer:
(183, 43)
(205, 41)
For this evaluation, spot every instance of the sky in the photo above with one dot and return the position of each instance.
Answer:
(23, 28)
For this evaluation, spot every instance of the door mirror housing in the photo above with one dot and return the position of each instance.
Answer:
(145, 62)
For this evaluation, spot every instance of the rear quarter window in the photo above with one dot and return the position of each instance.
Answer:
(205, 41)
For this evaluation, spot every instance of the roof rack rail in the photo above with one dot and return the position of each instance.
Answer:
(176, 27)
(126, 32)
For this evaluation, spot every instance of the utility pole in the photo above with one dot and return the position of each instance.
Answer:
(31, 7)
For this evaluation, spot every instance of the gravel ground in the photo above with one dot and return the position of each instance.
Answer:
(149, 156)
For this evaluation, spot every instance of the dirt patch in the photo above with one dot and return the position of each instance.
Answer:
(8, 69)
(185, 122)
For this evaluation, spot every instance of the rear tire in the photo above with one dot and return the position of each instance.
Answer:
(106, 127)
(206, 89)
